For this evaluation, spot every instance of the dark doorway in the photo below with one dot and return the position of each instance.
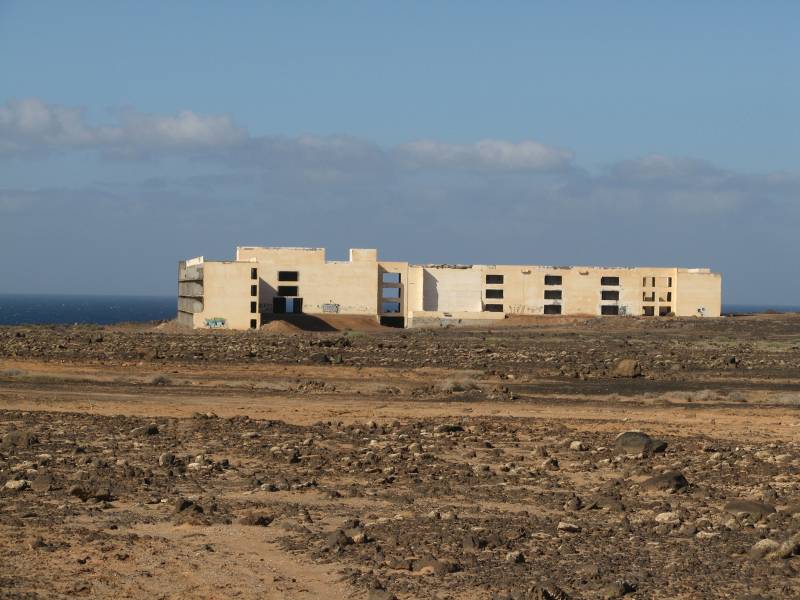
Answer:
(393, 321)
(282, 306)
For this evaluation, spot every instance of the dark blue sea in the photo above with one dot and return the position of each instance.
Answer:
(34, 308)
(18, 309)
(738, 309)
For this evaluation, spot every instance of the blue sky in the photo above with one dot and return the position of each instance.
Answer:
(135, 134)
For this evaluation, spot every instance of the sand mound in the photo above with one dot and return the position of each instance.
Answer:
(321, 323)
(169, 327)
(280, 326)
(353, 322)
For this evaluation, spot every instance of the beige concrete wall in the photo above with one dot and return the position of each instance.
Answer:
(226, 295)
(414, 289)
(406, 286)
(448, 289)
(280, 255)
(350, 286)
(699, 294)
(356, 287)
(524, 289)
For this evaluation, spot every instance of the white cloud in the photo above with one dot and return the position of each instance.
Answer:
(32, 125)
(527, 155)
(186, 129)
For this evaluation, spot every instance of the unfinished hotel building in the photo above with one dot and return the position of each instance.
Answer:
(263, 282)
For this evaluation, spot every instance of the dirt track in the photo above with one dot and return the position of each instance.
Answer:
(448, 464)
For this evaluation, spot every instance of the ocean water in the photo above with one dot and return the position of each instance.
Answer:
(17, 309)
(757, 308)
(34, 308)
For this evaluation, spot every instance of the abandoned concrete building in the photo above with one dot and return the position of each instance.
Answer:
(263, 282)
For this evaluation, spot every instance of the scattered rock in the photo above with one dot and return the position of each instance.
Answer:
(749, 509)
(447, 428)
(256, 519)
(627, 367)
(18, 439)
(669, 518)
(637, 442)
(764, 547)
(337, 540)
(671, 481)
(436, 567)
(16, 485)
(183, 505)
(616, 589)
(550, 464)
(43, 483)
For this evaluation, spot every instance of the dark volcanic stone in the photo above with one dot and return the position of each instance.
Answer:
(435, 566)
(473, 543)
(258, 520)
(617, 589)
(636, 442)
(43, 483)
(751, 509)
(18, 439)
(671, 481)
(337, 539)
(182, 504)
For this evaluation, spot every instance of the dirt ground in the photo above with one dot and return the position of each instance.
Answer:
(140, 462)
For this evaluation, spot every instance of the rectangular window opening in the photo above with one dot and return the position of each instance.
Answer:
(390, 307)
(254, 307)
(669, 281)
(609, 295)
(254, 290)
(253, 273)
(391, 292)
(552, 279)
(651, 297)
(552, 294)
(664, 311)
(648, 311)
(494, 280)
(610, 309)
(253, 323)
(287, 290)
(494, 294)
(288, 275)
(390, 278)
(609, 281)
(552, 309)
(493, 307)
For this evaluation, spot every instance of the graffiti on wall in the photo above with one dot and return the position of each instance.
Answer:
(521, 309)
(216, 323)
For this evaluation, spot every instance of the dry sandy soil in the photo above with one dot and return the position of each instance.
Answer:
(139, 462)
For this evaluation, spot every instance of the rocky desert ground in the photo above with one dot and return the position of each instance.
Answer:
(561, 458)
